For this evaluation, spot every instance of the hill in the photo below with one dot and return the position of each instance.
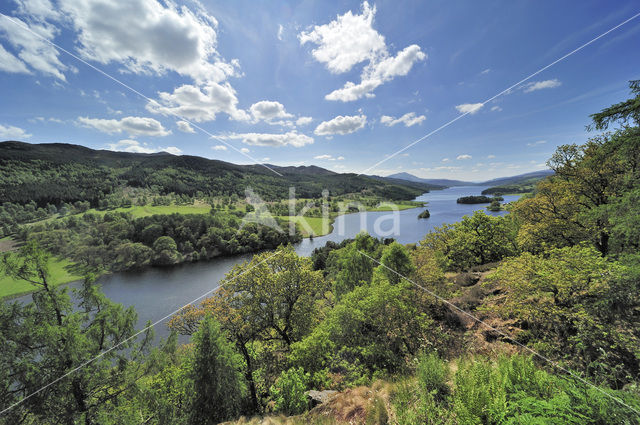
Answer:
(436, 182)
(511, 184)
(523, 183)
(57, 172)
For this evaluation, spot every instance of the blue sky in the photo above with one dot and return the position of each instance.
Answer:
(342, 85)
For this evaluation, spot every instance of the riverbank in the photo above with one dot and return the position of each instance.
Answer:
(59, 274)
(61, 269)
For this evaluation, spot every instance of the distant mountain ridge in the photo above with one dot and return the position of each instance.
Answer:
(501, 181)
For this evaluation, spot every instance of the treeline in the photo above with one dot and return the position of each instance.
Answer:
(478, 199)
(116, 241)
(61, 173)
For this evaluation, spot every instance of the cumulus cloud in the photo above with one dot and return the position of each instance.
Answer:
(304, 121)
(9, 132)
(470, 108)
(167, 37)
(33, 53)
(269, 111)
(185, 127)
(134, 146)
(291, 138)
(199, 104)
(347, 41)
(341, 125)
(134, 126)
(244, 150)
(280, 32)
(409, 119)
(143, 36)
(10, 63)
(219, 148)
(541, 85)
(350, 40)
(463, 157)
(490, 156)
(172, 150)
(327, 157)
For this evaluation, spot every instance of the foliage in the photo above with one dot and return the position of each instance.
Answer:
(117, 241)
(378, 326)
(476, 240)
(289, 392)
(218, 384)
(481, 199)
(396, 263)
(51, 336)
(576, 306)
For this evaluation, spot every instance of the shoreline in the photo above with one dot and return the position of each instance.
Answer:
(332, 219)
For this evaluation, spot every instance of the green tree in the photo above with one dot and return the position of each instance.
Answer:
(396, 262)
(218, 386)
(476, 239)
(48, 338)
(576, 306)
(626, 111)
(165, 251)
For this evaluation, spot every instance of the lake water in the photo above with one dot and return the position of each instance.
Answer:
(158, 292)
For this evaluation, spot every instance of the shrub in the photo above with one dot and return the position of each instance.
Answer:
(288, 393)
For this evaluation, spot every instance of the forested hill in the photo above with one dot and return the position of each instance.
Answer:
(57, 172)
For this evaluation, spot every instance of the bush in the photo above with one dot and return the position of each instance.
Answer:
(433, 373)
(289, 392)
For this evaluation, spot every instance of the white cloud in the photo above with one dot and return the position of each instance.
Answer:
(351, 39)
(167, 37)
(486, 71)
(490, 156)
(185, 127)
(463, 157)
(409, 119)
(244, 150)
(496, 108)
(10, 63)
(540, 85)
(134, 146)
(134, 126)
(291, 138)
(328, 157)
(199, 104)
(269, 111)
(219, 148)
(280, 32)
(341, 125)
(304, 120)
(537, 143)
(470, 108)
(9, 132)
(172, 150)
(445, 160)
(347, 41)
(352, 91)
(33, 51)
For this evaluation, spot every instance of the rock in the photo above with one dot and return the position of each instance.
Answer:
(319, 397)
(467, 279)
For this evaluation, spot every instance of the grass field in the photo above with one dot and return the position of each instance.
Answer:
(58, 275)
(147, 210)
(314, 225)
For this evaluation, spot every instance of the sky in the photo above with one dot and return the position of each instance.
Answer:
(343, 85)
